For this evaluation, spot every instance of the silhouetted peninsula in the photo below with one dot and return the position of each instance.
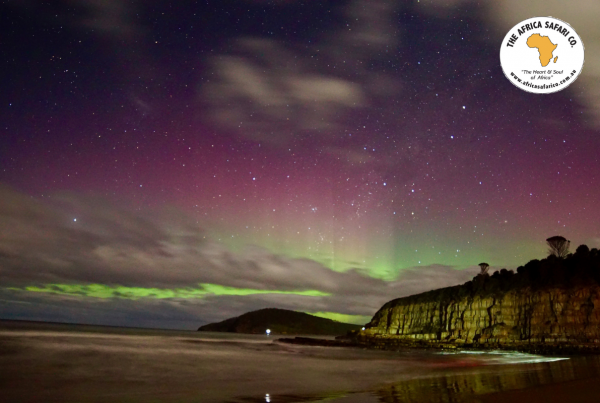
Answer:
(279, 321)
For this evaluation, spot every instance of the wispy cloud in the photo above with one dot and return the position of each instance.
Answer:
(121, 256)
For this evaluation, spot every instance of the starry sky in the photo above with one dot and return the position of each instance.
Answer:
(168, 164)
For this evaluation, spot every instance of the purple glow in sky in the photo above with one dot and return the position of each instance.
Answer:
(325, 157)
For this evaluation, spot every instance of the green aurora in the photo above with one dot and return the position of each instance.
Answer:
(340, 317)
(134, 293)
(205, 290)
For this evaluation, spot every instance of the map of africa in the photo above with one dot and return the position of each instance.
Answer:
(544, 46)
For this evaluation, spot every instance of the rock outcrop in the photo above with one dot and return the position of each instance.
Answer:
(541, 316)
(551, 305)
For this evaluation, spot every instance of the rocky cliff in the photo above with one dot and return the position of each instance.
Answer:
(551, 315)
(548, 305)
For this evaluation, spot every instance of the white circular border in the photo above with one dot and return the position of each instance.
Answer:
(535, 90)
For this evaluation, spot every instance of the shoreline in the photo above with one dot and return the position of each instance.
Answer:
(393, 344)
(179, 368)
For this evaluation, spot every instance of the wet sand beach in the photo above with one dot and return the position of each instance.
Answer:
(580, 391)
(75, 364)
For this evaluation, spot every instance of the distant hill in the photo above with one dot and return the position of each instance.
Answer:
(279, 321)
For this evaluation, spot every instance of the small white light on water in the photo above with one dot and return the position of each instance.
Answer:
(267, 398)
(268, 332)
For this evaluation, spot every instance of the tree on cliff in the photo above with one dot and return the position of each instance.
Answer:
(558, 246)
(582, 250)
(484, 268)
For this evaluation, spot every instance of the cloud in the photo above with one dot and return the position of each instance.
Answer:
(115, 26)
(119, 256)
(287, 93)
(583, 16)
(279, 93)
(111, 17)
(268, 92)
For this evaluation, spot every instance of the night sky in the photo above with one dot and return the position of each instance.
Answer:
(168, 164)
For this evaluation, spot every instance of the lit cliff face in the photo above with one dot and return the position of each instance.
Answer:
(542, 316)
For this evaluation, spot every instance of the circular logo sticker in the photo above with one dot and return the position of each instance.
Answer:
(542, 55)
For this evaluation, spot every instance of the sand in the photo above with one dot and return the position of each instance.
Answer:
(580, 391)
(74, 366)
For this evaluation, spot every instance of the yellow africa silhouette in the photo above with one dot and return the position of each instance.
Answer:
(544, 46)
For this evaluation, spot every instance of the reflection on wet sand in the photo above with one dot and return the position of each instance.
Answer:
(472, 385)
(75, 364)
(484, 384)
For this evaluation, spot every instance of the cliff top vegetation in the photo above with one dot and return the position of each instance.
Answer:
(559, 270)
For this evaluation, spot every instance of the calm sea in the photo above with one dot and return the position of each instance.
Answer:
(42, 362)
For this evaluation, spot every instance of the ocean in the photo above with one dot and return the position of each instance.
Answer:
(44, 362)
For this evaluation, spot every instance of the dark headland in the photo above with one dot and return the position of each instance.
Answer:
(280, 321)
